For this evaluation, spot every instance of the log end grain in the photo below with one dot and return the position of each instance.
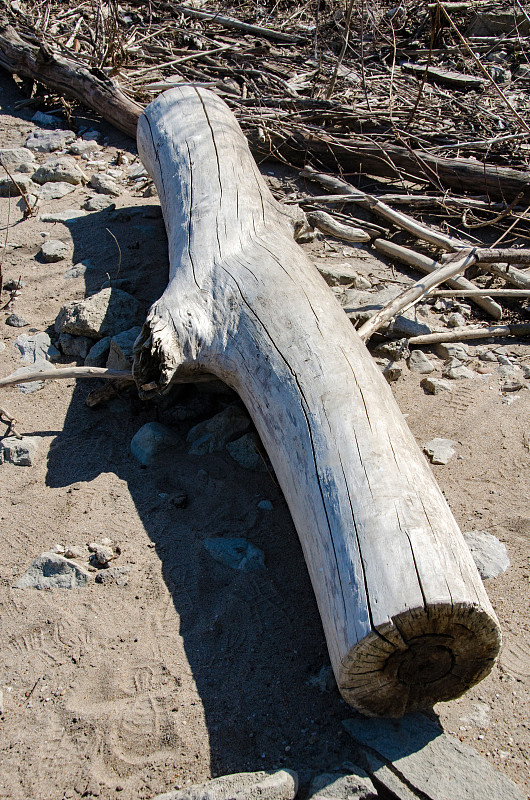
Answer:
(423, 658)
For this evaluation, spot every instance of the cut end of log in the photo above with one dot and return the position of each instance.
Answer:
(424, 658)
(155, 357)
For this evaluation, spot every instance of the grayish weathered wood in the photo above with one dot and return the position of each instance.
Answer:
(406, 617)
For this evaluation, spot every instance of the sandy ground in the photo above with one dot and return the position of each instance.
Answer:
(191, 670)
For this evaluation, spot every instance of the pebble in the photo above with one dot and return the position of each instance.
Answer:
(452, 350)
(245, 451)
(456, 320)
(121, 353)
(99, 203)
(103, 314)
(55, 190)
(77, 271)
(73, 551)
(98, 353)
(36, 348)
(15, 321)
(435, 385)
(272, 785)
(488, 356)
(75, 346)
(81, 147)
(54, 250)
(440, 451)
(265, 505)
(20, 452)
(458, 373)
(105, 185)
(48, 141)
(59, 169)
(151, 441)
(53, 571)
(418, 362)
(526, 371)
(47, 120)
(236, 553)
(215, 433)
(103, 554)
(489, 554)
(512, 386)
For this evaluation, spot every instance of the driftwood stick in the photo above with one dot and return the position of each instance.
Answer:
(425, 264)
(67, 372)
(328, 224)
(414, 293)
(520, 293)
(403, 221)
(69, 78)
(10, 421)
(493, 332)
(235, 24)
(511, 255)
(413, 200)
(509, 274)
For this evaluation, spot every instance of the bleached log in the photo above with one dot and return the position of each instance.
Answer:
(405, 614)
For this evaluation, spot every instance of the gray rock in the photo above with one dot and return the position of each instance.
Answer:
(72, 551)
(337, 274)
(356, 786)
(435, 385)
(55, 190)
(14, 157)
(103, 554)
(62, 168)
(20, 452)
(456, 320)
(19, 183)
(103, 314)
(509, 371)
(457, 373)
(236, 553)
(265, 505)
(68, 215)
(489, 554)
(278, 785)
(105, 185)
(151, 442)
(395, 350)
(440, 451)
(54, 250)
(116, 575)
(413, 757)
(215, 433)
(36, 348)
(121, 353)
(75, 346)
(488, 356)
(81, 146)
(418, 362)
(505, 360)
(99, 203)
(31, 386)
(526, 371)
(78, 270)
(47, 120)
(52, 571)
(98, 353)
(16, 321)
(245, 451)
(452, 350)
(48, 141)
(512, 386)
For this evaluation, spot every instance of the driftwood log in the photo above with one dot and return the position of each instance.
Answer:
(405, 614)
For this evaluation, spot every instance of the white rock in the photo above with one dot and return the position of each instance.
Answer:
(440, 451)
(54, 250)
(488, 552)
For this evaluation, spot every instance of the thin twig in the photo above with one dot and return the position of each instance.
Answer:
(119, 255)
(67, 372)
(10, 421)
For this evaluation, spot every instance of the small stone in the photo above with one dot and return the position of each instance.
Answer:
(245, 451)
(117, 575)
(99, 203)
(236, 553)
(488, 356)
(47, 120)
(75, 552)
(105, 185)
(458, 373)
(343, 786)
(80, 147)
(52, 571)
(55, 190)
(68, 215)
(453, 350)
(278, 785)
(265, 505)
(121, 353)
(20, 452)
(103, 314)
(504, 360)
(15, 321)
(75, 346)
(58, 548)
(440, 451)
(54, 250)
(392, 374)
(489, 554)
(59, 169)
(36, 348)
(215, 433)
(418, 362)
(16, 184)
(91, 135)
(456, 320)
(435, 385)
(510, 371)
(78, 271)
(526, 371)
(512, 386)
(14, 157)
(103, 554)
(151, 442)
(48, 141)
(98, 353)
